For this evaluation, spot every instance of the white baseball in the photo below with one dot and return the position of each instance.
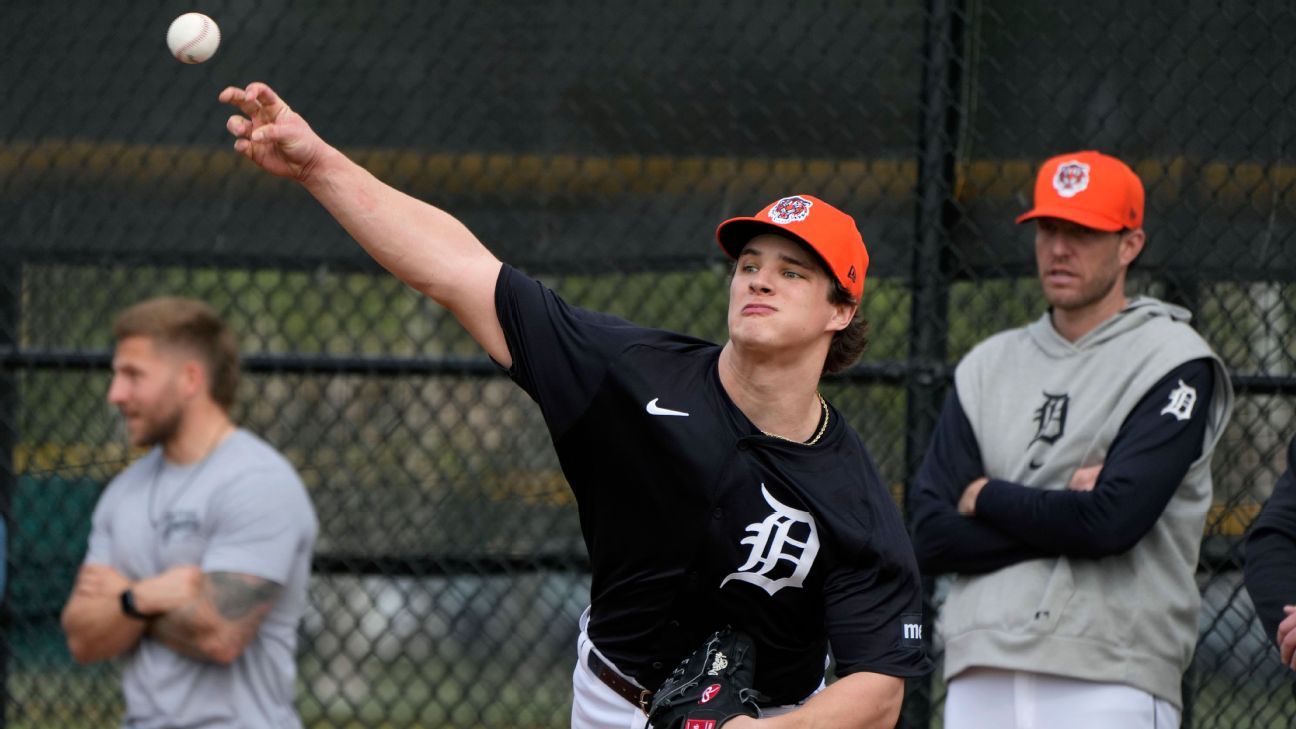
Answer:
(193, 37)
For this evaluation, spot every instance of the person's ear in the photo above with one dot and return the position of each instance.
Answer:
(1131, 245)
(843, 315)
(193, 379)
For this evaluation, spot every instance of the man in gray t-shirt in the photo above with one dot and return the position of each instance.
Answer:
(199, 555)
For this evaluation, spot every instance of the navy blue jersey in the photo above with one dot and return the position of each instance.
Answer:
(694, 519)
(1271, 551)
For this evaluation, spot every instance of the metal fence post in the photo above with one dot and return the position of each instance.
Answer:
(935, 215)
(10, 303)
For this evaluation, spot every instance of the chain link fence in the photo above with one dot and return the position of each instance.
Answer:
(596, 145)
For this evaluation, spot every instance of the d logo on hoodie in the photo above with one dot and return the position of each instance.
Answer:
(1050, 418)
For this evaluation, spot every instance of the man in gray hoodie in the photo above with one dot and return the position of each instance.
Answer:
(1068, 480)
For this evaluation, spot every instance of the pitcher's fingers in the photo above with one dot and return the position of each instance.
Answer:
(235, 96)
(245, 101)
(267, 133)
(230, 95)
(243, 97)
(265, 99)
(238, 126)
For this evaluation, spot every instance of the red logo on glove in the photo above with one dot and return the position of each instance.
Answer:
(710, 693)
(699, 724)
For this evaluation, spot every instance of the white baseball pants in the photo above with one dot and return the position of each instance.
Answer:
(988, 698)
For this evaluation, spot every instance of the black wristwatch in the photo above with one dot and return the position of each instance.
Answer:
(128, 606)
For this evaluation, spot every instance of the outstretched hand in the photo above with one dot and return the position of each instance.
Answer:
(270, 133)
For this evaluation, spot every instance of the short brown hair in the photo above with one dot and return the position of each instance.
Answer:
(191, 324)
(849, 343)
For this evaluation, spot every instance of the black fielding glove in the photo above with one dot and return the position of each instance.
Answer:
(709, 687)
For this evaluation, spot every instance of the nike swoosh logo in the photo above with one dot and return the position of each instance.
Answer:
(1034, 465)
(654, 410)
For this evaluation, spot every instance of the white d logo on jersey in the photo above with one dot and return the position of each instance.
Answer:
(772, 541)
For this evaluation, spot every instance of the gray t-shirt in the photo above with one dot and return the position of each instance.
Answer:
(242, 509)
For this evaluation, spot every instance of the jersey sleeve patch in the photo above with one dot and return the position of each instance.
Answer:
(1182, 400)
(911, 630)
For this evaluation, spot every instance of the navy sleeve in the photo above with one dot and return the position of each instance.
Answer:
(867, 614)
(560, 352)
(1271, 552)
(1147, 461)
(873, 603)
(944, 540)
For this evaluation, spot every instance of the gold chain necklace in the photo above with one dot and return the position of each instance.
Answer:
(822, 428)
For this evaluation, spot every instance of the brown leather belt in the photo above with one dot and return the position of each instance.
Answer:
(636, 695)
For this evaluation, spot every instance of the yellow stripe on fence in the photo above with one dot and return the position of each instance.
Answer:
(122, 165)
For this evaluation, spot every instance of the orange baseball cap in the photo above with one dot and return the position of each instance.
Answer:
(1089, 189)
(828, 231)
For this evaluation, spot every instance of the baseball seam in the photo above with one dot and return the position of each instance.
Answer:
(194, 41)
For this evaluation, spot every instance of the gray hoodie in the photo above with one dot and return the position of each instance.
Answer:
(1129, 618)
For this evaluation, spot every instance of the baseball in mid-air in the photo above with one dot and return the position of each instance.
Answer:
(193, 37)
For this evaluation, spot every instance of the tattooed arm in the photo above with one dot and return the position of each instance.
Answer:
(220, 621)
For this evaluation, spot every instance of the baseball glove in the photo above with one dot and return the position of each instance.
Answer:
(709, 687)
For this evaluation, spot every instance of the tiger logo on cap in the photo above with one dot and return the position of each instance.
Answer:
(1072, 177)
(790, 210)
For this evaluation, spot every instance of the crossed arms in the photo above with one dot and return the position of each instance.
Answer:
(208, 616)
(965, 522)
